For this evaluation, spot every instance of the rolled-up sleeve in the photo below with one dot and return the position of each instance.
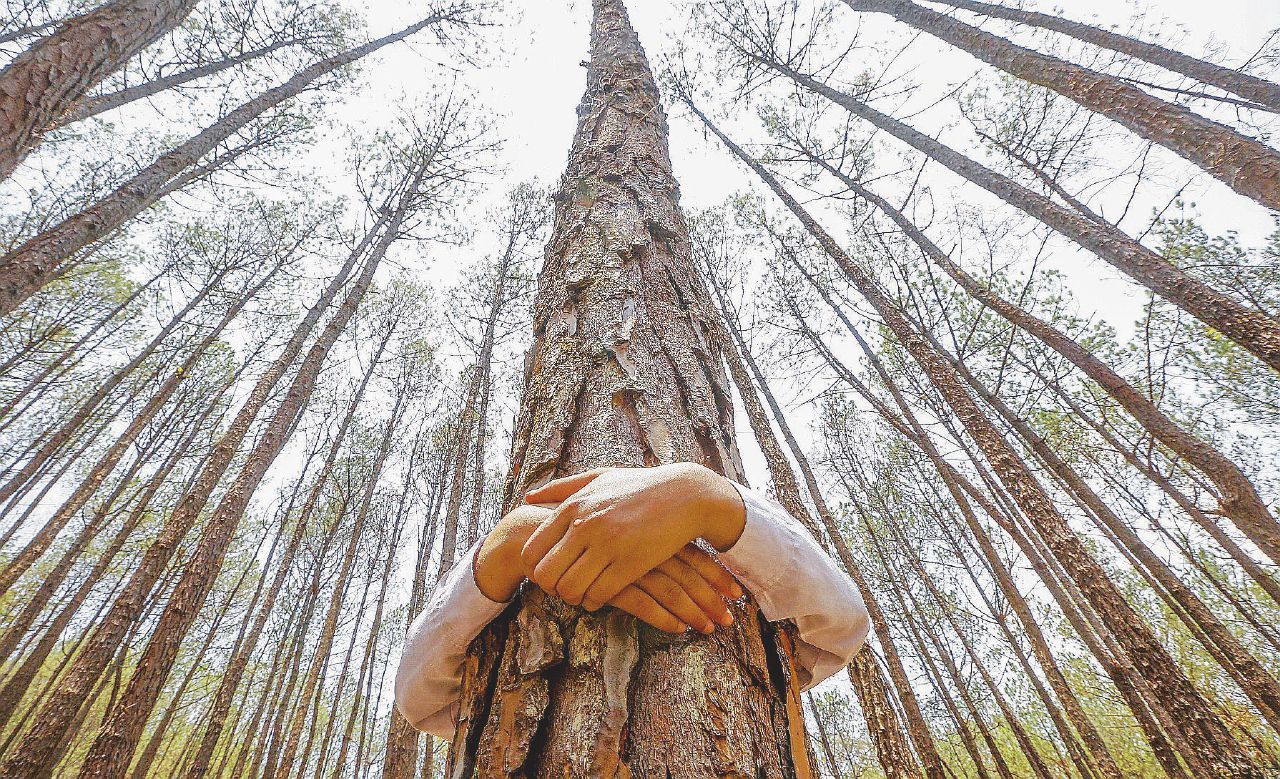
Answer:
(791, 577)
(429, 679)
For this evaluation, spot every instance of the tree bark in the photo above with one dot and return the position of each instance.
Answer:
(48, 79)
(623, 371)
(1248, 166)
(1262, 92)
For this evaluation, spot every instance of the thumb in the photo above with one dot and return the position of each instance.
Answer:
(557, 490)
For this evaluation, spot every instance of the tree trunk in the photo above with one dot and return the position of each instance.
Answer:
(1193, 716)
(877, 709)
(122, 726)
(120, 446)
(100, 104)
(1262, 92)
(623, 371)
(331, 620)
(1237, 495)
(48, 79)
(1253, 330)
(401, 753)
(1248, 166)
(27, 268)
(246, 643)
(32, 756)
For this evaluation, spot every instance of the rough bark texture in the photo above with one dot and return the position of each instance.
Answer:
(1192, 716)
(1253, 330)
(35, 263)
(1264, 93)
(1248, 166)
(44, 82)
(623, 372)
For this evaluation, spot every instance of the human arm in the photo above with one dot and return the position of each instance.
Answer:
(684, 589)
(613, 522)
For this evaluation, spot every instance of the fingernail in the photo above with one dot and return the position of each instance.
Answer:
(708, 628)
(726, 619)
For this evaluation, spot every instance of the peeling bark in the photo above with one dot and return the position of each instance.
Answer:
(624, 371)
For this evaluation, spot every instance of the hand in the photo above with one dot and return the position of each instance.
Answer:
(616, 525)
(682, 591)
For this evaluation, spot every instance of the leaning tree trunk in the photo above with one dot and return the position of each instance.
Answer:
(45, 81)
(35, 263)
(1248, 166)
(118, 735)
(1236, 493)
(247, 642)
(623, 372)
(1194, 718)
(883, 724)
(1253, 330)
(1266, 94)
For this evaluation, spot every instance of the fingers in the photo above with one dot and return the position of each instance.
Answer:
(641, 605)
(557, 490)
(698, 589)
(575, 581)
(711, 570)
(607, 585)
(672, 597)
(547, 535)
(547, 572)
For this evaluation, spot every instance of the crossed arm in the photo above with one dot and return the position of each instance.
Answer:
(623, 537)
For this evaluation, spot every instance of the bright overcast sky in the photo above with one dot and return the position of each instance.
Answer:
(534, 81)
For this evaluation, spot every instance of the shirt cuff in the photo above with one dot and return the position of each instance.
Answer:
(764, 552)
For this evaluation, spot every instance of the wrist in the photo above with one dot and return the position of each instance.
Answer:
(498, 570)
(720, 511)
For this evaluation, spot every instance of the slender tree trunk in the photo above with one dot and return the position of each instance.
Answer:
(48, 79)
(623, 372)
(1253, 330)
(33, 755)
(1259, 686)
(1248, 166)
(1262, 92)
(1192, 714)
(27, 268)
(101, 104)
(57, 439)
(17, 684)
(122, 726)
(879, 712)
(331, 621)
(912, 430)
(246, 643)
(1237, 495)
(400, 757)
(869, 685)
(111, 458)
